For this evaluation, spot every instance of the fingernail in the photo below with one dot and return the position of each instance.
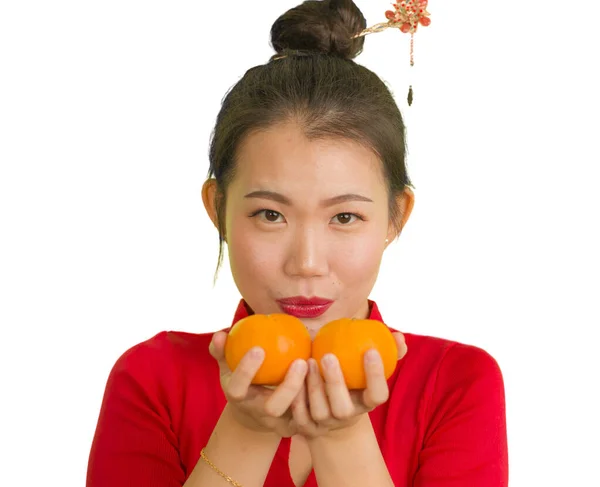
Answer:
(257, 353)
(372, 356)
(328, 361)
(298, 366)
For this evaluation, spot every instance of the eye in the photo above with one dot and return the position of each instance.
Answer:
(346, 218)
(270, 216)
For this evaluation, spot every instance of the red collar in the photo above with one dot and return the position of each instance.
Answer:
(244, 310)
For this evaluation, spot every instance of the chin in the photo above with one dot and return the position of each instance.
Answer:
(313, 328)
(313, 325)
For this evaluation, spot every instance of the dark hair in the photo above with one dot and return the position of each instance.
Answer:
(314, 81)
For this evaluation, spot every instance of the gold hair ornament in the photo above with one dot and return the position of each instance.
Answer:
(406, 16)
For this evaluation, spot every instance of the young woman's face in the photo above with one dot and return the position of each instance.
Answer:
(306, 219)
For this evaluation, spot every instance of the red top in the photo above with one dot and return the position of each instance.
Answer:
(443, 426)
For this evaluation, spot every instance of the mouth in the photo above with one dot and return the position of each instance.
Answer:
(302, 307)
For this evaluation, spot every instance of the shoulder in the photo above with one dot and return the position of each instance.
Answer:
(451, 355)
(166, 346)
(467, 373)
(146, 409)
(164, 356)
(453, 375)
(444, 356)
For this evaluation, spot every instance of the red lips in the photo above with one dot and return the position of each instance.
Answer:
(303, 307)
(302, 301)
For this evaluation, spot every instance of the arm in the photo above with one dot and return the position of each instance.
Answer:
(350, 458)
(342, 443)
(242, 454)
(465, 442)
(135, 446)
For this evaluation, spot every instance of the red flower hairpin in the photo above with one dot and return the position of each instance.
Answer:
(406, 16)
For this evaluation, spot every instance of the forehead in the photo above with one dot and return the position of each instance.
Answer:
(284, 159)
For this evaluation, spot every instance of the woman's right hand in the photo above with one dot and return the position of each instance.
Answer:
(258, 408)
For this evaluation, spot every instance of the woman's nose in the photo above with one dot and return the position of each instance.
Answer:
(307, 256)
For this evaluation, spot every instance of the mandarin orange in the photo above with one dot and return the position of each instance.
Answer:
(348, 339)
(284, 338)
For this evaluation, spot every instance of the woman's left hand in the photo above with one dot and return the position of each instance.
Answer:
(325, 405)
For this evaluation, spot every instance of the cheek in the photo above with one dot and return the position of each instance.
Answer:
(359, 260)
(250, 256)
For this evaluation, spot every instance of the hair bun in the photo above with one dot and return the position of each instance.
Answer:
(322, 26)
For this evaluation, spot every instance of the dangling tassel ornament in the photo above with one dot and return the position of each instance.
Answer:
(412, 63)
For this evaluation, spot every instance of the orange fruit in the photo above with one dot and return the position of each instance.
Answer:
(284, 338)
(348, 339)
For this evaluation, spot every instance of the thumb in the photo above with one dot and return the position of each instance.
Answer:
(401, 344)
(217, 348)
(217, 344)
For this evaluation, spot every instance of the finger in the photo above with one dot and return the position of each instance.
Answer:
(401, 344)
(238, 382)
(282, 397)
(377, 391)
(317, 396)
(340, 402)
(217, 351)
(299, 407)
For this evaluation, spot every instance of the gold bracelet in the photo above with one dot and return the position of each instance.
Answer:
(214, 467)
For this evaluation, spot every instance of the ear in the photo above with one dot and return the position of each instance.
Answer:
(405, 203)
(209, 198)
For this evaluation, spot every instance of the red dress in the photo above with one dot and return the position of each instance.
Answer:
(443, 426)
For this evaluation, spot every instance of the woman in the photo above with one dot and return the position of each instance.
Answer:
(307, 186)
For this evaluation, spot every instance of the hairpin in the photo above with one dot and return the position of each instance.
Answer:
(406, 16)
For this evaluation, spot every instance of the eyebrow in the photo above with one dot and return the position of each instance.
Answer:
(279, 198)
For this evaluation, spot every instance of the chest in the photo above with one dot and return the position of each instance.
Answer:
(300, 461)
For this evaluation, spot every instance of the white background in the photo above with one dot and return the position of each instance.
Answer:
(105, 114)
